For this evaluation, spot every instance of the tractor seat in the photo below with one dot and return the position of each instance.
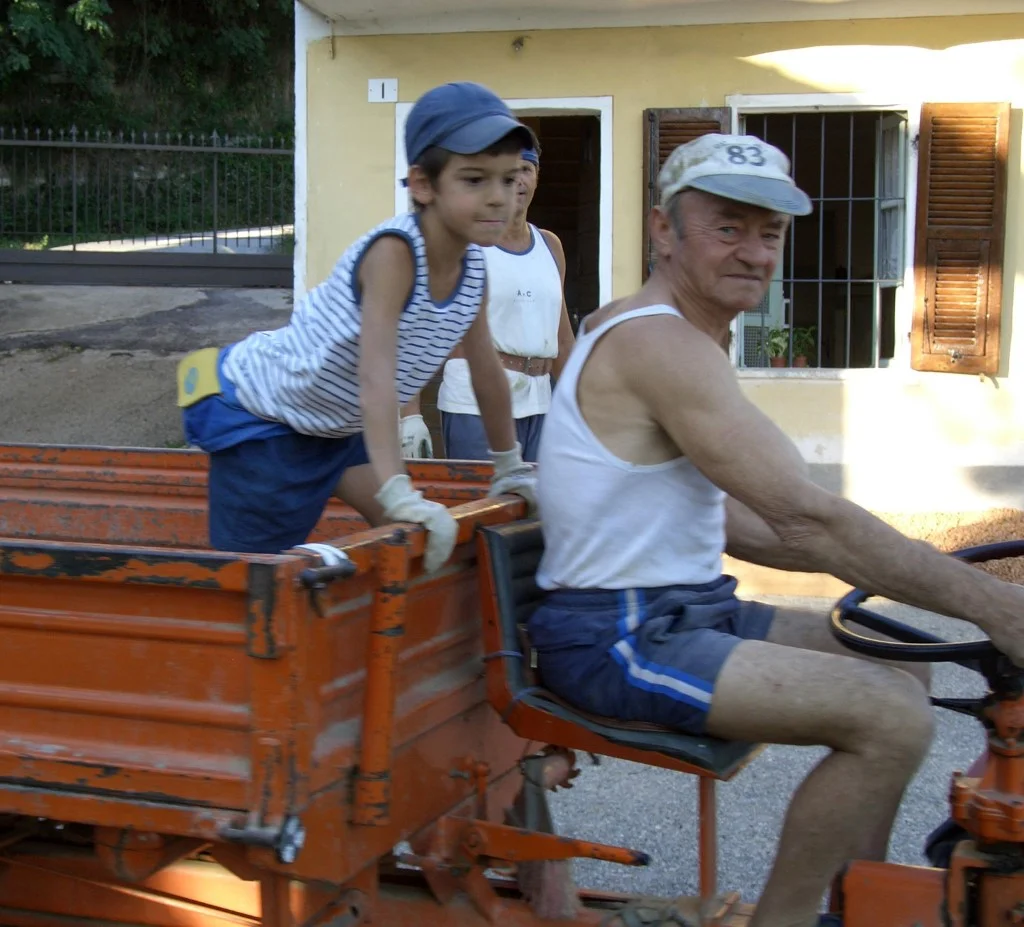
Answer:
(509, 556)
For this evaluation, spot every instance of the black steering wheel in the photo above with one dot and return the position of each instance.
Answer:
(913, 645)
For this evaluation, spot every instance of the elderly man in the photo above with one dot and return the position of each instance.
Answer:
(653, 463)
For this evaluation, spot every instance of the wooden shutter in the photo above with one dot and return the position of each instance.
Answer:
(958, 254)
(664, 131)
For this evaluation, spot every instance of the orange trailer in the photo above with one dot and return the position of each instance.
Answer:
(194, 738)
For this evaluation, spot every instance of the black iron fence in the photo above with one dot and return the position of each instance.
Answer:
(139, 202)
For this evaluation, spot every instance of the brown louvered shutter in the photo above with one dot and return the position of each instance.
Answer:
(664, 131)
(958, 254)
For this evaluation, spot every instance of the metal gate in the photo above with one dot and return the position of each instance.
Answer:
(147, 209)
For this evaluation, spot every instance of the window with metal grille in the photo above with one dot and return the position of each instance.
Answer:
(832, 302)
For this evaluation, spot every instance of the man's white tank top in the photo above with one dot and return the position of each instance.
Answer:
(524, 306)
(611, 524)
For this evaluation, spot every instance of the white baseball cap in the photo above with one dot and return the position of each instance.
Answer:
(737, 167)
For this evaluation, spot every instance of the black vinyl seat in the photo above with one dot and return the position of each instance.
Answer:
(511, 554)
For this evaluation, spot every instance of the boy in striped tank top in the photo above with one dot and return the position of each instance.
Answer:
(292, 416)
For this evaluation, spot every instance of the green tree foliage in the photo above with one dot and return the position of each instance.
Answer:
(148, 64)
(58, 43)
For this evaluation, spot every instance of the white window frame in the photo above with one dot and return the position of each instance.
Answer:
(894, 205)
(742, 104)
(544, 106)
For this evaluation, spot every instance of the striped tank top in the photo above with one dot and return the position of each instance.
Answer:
(306, 374)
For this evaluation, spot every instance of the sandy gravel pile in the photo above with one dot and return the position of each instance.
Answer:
(968, 529)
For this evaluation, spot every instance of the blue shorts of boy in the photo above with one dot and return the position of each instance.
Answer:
(465, 439)
(643, 654)
(268, 484)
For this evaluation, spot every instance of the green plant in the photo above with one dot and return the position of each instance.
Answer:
(774, 342)
(284, 245)
(64, 42)
(148, 65)
(804, 341)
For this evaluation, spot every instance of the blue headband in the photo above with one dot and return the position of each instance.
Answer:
(530, 154)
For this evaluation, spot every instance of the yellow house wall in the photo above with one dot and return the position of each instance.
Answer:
(847, 422)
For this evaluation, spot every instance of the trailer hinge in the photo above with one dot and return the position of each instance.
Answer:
(286, 841)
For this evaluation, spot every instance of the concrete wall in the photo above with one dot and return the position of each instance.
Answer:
(892, 439)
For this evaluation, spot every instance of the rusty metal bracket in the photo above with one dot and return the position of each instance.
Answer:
(455, 855)
(481, 839)
(262, 635)
(336, 566)
(286, 841)
(317, 578)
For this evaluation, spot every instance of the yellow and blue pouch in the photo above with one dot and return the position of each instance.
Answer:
(212, 416)
(199, 376)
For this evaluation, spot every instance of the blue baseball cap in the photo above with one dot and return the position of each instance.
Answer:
(461, 117)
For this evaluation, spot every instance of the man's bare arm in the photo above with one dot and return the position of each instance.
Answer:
(689, 386)
(748, 537)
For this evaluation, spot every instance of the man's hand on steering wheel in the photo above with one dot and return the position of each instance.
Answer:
(1009, 640)
(989, 656)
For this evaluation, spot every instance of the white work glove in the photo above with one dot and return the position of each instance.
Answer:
(513, 474)
(403, 503)
(415, 437)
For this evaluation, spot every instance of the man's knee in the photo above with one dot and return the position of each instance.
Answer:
(895, 720)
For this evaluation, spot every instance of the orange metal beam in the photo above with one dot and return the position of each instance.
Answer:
(708, 816)
(373, 781)
(887, 895)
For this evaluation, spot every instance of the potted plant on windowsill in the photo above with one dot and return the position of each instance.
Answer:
(804, 341)
(775, 343)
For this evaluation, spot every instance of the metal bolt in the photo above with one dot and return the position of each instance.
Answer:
(291, 840)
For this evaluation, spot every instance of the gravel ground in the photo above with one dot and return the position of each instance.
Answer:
(95, 365)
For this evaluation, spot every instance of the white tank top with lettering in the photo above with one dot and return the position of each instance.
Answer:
(611, 524)
(524, 306)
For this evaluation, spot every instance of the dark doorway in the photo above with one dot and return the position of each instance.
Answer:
(568, 201)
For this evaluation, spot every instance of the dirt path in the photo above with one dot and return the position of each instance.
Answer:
(95, 365)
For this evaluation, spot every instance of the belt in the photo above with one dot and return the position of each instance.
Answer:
(531, 366)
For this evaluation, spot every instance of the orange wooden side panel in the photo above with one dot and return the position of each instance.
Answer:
(157, 498)
(150, 683)
(128, 671)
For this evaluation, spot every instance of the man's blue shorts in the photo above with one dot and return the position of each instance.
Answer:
(268, 484)
(643, 654)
